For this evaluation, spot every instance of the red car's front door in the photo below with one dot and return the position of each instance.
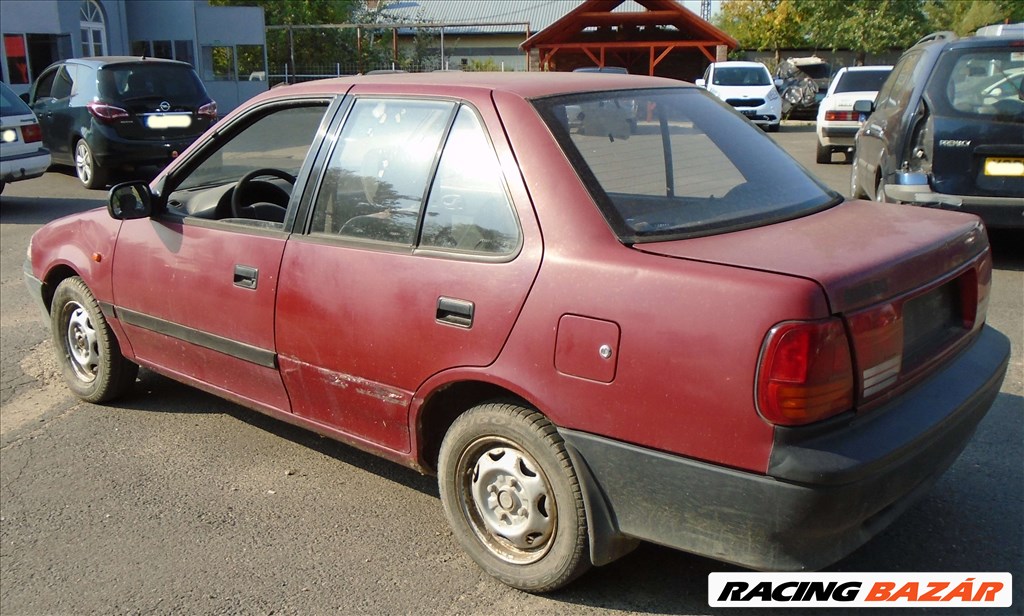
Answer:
(197, 300)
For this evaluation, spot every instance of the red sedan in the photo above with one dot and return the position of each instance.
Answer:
(601, 308)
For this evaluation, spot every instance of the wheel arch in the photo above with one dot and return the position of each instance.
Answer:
(54, 277)
(444, 404)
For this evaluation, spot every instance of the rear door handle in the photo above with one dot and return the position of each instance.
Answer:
(457, 312)
(246, 276)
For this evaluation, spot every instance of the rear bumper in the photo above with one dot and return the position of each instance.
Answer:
(997, 212)
(828, 490)
(111, 150)
(25, 166)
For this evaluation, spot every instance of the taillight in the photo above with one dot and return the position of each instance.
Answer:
(209, 110)
(106, 113)
(805, 373)
(31, 133)
(878, 345)
(919, 155)
(842, 116)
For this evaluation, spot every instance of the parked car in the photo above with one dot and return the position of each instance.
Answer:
(804, 84)
(837, 121)
(747, 86)
(22, 155)
(105, 113)
(675, 336)
(947, 130)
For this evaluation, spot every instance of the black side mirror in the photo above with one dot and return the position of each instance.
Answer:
(130, 200)
(865, 107)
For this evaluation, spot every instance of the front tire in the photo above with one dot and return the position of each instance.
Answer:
(512, 497)
(88, 169)
(89, 355)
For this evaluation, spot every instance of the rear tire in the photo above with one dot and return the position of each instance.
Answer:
(88, 169)
(87, 351)
(823, 154)
(512, 497)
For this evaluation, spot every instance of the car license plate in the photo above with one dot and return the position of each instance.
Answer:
(748, 112)
(1012, 167)
(169, 121)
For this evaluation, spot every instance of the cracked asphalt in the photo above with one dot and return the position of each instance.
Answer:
(173, 501)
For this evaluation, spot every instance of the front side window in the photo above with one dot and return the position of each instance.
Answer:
(667, 164)
(982, 82)
(278, 140)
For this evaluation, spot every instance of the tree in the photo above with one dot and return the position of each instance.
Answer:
(865, 26)
(762, 24)
(966, 16)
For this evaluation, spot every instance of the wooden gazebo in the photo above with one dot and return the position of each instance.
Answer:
(665, 38)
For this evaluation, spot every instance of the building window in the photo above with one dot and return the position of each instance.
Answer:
(219, 63)
(172, 50)
(29, 54)
(230, 63)
(17, 59)
(94, 32)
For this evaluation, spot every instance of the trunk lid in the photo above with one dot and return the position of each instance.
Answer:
(861, 253)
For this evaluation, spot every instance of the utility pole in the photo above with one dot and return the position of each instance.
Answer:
(705, 10)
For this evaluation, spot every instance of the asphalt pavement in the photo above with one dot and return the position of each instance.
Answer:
(175, 502)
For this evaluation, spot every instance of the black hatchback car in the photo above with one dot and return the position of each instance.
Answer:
(947, 129)
(103, 113)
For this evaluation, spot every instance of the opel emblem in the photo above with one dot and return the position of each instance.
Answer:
(165, 106)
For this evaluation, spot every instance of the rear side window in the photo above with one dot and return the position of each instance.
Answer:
(899, 86)
(981, 82)
(672, 163)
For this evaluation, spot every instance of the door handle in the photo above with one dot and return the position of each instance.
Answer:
(246, 276)
(457, 312)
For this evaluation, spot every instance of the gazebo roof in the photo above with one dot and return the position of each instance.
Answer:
(595, 26)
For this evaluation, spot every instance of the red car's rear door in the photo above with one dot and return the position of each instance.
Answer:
(378, 296)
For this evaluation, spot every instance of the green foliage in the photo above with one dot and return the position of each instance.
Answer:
(865, 26)
(966, 16)
(483, 65)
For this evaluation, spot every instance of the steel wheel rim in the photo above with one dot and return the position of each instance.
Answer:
(83, 161)
(507, 500)
(81, 342)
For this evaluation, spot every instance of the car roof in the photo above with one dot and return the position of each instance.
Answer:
(523, 84)
(873, 67)
(101, 61)
(740, 63)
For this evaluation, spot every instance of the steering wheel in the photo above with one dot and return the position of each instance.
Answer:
(262, 210)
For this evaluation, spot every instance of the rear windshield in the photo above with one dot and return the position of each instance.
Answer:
(128, 82)
(741, 76)
(981, 82)
(674, 163)
(862, 81)
(10, 104)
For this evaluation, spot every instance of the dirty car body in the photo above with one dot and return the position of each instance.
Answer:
(665, 333)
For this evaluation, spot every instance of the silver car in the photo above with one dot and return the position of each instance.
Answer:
(22, 155)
